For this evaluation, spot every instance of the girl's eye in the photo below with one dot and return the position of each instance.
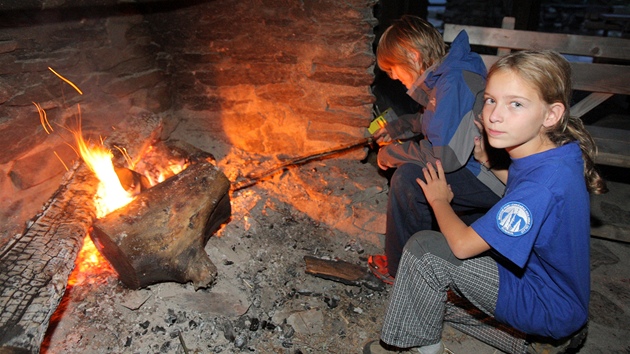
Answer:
(516, 104)
(488, 101)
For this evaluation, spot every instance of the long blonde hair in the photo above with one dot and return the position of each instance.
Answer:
(550, 73)
(410, 33)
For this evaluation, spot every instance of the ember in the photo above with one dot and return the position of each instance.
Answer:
(89, 262)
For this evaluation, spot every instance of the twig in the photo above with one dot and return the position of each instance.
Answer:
(181, 340)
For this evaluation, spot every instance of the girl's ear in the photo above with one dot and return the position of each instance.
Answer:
(554, 114)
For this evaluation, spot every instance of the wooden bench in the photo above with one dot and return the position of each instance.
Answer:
(590, 74)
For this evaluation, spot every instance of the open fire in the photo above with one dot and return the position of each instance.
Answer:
(111, 195)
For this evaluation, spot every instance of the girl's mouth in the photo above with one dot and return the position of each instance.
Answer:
(492, 132)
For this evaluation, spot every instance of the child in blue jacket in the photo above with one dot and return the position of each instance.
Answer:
(524, 266)
(449, 87)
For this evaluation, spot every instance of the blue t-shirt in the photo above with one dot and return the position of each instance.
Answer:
(540, 230)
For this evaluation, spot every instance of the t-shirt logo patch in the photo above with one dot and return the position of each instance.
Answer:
(514, 219)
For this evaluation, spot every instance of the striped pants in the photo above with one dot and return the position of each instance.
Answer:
(433, 287)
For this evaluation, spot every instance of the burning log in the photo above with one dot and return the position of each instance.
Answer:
(161, 235)
(35, 266)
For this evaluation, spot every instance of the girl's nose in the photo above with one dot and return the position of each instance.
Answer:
(493, 114)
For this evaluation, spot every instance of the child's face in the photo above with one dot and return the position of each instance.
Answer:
(397, 72)
(515, 116)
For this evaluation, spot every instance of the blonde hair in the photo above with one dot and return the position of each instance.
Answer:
(408, 34)
(550, 74)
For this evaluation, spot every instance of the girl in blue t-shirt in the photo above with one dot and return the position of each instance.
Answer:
(518, 277)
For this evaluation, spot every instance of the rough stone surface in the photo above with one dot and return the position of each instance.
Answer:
(246, 68)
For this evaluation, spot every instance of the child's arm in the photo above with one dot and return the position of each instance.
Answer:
(462, 239)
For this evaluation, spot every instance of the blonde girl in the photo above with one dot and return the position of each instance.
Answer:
(522, 270)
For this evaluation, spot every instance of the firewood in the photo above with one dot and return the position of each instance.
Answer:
(343, 272)
(35, 265)
(160, 236)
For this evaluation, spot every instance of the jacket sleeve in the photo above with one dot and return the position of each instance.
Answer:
(449, 129)
(405, 127)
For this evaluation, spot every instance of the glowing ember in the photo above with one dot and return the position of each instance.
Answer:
(89, 261)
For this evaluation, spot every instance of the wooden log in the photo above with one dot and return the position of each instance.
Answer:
(161, 235)
(343, 272)
(35, 265)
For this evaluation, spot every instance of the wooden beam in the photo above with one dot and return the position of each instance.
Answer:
(608, 78)
(607, 211)
(591, 46)
(613, 146)
(588, 103)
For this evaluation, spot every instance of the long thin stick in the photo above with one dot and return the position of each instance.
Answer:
(254, 178)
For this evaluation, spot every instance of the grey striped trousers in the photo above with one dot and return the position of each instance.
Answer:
(433, 286)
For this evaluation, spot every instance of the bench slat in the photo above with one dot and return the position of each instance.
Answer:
(613, 145)
(608, 78)
(591, 101)
(591, 46)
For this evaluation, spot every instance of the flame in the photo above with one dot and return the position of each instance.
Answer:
(110, 194)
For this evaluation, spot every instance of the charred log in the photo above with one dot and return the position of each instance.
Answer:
(161, 235)
(35, 265)
(343, 272)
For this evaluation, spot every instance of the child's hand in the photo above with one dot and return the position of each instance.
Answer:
(382, 137)
(435, 187)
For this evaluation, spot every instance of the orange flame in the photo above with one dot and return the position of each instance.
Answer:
(110, 195)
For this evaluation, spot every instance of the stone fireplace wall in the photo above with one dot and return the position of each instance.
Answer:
(269, 77)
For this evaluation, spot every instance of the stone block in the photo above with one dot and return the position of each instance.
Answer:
(41, 166)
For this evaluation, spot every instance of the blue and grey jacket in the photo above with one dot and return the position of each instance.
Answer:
(451, 93)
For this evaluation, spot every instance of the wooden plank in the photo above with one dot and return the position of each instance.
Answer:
(609, 213)
(592, 46)
(613, 146)
(589, 102)
(507, 23)
(601, 77)
(591, 77)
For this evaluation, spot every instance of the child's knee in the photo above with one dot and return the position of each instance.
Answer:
(434, 242)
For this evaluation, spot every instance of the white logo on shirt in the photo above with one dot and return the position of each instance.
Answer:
(514, 219)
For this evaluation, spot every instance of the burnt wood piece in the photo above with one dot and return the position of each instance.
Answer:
(160, 236)
(343, 272)
(35, 265)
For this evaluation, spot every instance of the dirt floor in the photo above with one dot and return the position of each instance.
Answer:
(263, 301)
